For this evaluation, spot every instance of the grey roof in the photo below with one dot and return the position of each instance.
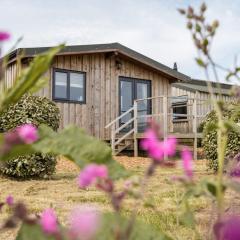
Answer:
(109, 47)
(201, 86)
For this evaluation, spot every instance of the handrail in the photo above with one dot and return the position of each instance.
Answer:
(124, 136)
(124, 125)
(169, 97)
(119, 117)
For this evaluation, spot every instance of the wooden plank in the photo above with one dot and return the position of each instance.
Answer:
(77, 65)
(87, 118)
(108, 95)
(103, 112)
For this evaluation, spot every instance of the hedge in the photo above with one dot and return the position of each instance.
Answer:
(35, 110)
(210, 136)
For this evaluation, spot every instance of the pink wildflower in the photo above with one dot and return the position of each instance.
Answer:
(84, 223)
(48, 221)
(228, 229)
(169, 146)
(91, 173)
(186, 156)
(4, 36)
(150, 139)
(27, 133)
(9, 200)
(157, 149)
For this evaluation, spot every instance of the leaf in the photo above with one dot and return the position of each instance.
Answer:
(187, 218)
(200, 62)
(30, 78)
(30, 232)
(18, 150)
(140, 231)
(73, 143)
(212, 188)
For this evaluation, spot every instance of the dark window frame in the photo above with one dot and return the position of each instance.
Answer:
(134, 82)
(68, 72)
(180, 104)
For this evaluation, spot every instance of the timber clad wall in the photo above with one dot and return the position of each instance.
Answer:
(102, 89)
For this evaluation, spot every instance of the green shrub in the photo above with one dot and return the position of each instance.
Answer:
(34, 165)
(30, 109)
(210, 136)
(35, 110)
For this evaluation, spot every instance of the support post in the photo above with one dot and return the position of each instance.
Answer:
(113, 139)
(135, 126)
(165, 119)
(195, 128)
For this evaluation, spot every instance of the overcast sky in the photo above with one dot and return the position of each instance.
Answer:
(152, 27)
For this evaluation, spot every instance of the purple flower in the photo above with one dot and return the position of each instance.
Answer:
(4, 36)
(158, 149)
(48, 221)
(9, 200)
(91, 173)
(84, 222)
(150, 139)
(186, 156)
(27, 133)
(228, 229)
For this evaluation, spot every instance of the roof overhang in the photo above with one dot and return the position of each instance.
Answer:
(105, 48)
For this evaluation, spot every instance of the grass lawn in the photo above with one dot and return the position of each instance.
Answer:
(62, 194)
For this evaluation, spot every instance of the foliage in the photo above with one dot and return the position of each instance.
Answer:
(34, 165)
(231, 113)
(30, 109)
(35, 110)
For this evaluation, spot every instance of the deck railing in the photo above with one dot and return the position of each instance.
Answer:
(161, 110)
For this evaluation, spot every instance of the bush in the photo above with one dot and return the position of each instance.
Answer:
(210, 136)
(30, 109)
(35, 110)
(34, 165)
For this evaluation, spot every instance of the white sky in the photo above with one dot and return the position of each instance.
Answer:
(152, 27)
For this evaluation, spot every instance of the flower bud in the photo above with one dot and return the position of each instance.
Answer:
(189, 25)
(203, 7)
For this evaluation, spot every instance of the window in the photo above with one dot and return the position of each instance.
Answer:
(69, 86)
(179, 106)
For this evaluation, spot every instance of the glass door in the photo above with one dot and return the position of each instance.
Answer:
(126, 100)
(129, 90)
(143, 90)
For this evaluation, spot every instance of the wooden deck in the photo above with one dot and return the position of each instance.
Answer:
(163, 115)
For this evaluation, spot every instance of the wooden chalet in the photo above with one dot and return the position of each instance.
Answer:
(111, 90)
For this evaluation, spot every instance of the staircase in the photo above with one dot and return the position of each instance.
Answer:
(121, 140)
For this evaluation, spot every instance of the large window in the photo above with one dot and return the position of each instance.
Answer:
(179, 107)
(69, 86)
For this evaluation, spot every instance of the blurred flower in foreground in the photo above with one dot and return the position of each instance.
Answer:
(156, 149)
(228, 229)
(24, 134)
(27, 133)
(48, 221)
(9, 200)
(4, 36)
(91, 173)
(187, 160)
(84, 222)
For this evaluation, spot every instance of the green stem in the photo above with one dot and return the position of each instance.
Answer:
(222, 144)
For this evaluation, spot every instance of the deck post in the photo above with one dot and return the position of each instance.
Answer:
(195, 128)
(135, 126)
(113, 139)
(165, 119)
